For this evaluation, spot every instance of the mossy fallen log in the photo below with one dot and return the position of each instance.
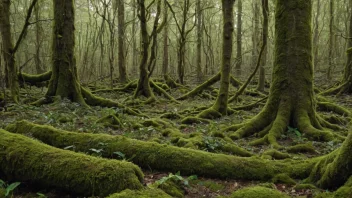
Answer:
(145, 193)
(33, 79)
(27, 160)
(168, 158)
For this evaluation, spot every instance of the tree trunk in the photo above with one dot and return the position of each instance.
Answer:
(38, 38)
(331, 40)
(316, 37)
(8, 49)
(220, 108)
(166, 42)
(199, 41)
(121, 41)
(255, 35)
(261, 82)
(143, 87)
(239, 40)
(293, 70)
(63, 82)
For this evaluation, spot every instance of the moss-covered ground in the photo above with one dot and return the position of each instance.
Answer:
(164, 122)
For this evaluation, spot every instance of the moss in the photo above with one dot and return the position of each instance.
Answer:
(172, 133)
(283, 179)
(275, 154)
(172, 188)
(301, 148)
(34, 79)
(304, 187)
(235, 150)
(335, 169)
(110, 121)
(327, 106)
(2, 192)
(26, 160)
(145, 193)
(171, 116)
(268, 185)
(169, 158)
(194, 120)
(213, 186)
(156, 122)
(258, 192)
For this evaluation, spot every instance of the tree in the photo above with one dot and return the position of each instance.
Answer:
(346, 83)
(221, 104)
(239, 39)
(261, 81)
(199, 40)
(121, 40)
(293, 70)
(10, 49)
(331, 40)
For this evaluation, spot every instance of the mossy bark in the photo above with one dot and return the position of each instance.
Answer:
(169, 158)
(8, 49)
(26, 160)
(334, 170)
(293, 70)
(64, 82)
(34, 79)
(145, 193)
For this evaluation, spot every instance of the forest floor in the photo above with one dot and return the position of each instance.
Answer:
(73, 117)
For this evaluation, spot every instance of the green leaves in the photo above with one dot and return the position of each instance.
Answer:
(177, 177)
(295, 131)
(9, 188)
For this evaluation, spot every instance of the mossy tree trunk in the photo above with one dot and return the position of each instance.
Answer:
(261, 82)
(346, 84)
(8, 49)
(143, 87)
(63, 82)
(293, 70)
(199, 40)
(165, 67)
(121, 40)
(221, 104)
(239, 39)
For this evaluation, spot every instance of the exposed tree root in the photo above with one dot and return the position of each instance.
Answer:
(251, 106)
(127, 88)
(29, 161)
(327, 106)
(169, 158)
(34, 80)
(338, 90)
(147, 192)
(161, 91)
(271, 125)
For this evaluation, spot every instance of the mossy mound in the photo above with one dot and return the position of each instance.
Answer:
(283, 179)
(172, 188)
(26, 160)
(145, 193)
(258, 192)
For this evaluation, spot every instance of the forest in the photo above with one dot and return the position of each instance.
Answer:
(175, 98)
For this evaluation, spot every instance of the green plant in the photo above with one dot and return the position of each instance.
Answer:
(176, 177)
(41, 195)
(9, 188)
(211, 144)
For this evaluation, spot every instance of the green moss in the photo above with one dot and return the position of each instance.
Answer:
(171, 116)
(235, 150)
(194, 120)
(145, 193)
(301, 148)
(275, 154)
(304, 187)
(110, 121)
(283, 179)
(26, 160)
(170, 132)
(172, 188)
(258, 192)
(169, 158)
(2, 192)
(213, 186)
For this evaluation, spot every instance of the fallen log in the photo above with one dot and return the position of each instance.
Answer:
(27, 160)
(151, 155)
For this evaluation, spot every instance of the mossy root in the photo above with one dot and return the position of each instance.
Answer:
(168, 158)
(145, 193)
(26, 160)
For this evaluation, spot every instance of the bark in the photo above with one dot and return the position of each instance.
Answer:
(316, 37)
(199, 41)
(8, 49)
(166, 43)
(143, 87)
(331, 40)
(63, 82)
(265, 9)
(121, 41)
(39, 40)
(293, 70)
(239, 40)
